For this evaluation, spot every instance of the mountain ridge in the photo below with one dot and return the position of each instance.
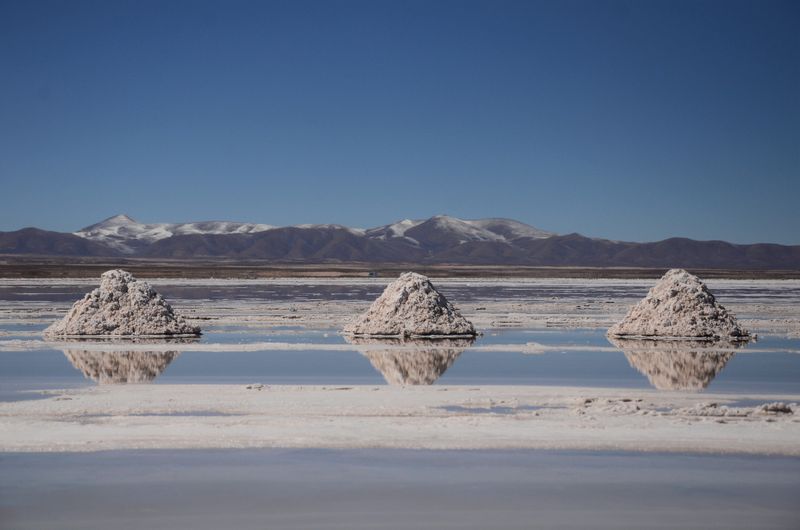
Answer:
(439, 239)
(127, 235)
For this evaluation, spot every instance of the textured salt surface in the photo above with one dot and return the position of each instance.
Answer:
(763, 306)
(679, 306)
(122, 305)
(411, 306)
(415, 417)
(14, 345)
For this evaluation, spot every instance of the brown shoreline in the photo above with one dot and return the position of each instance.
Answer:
(46, 267)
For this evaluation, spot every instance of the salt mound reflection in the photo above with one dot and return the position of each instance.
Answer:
(411, 361)
(120, 367)
(677, 365)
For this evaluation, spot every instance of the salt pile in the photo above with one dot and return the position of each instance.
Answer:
(411, 362)
(411, 306)
(679, 306)
(677, 365)
(122, 306)
(112, 368)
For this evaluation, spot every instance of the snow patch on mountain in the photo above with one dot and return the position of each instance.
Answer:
(465, 230)
(356, 231)
(397, 229)
(126, 234)
(492, 229)
(510, 229)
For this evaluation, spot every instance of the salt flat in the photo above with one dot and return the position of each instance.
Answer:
(768, 306)
(431, 417)
(286, 319)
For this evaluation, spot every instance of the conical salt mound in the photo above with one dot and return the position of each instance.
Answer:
(679, 306)
(114, 368)
(122, 306)
(677, 365)
(411, 306)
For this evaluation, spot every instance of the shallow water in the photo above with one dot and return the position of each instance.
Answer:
(573, 357)
(771, 371)
(392, 489)
(388, 488)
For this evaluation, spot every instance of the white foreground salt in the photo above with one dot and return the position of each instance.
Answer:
(430, 417)
(435, 417)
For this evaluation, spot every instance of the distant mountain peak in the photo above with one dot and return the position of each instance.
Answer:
(121, 218)
(123, 233)
(114, 220)
(441, 239)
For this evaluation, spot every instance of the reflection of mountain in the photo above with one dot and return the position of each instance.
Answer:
(116, 367)
(677, 365)
(411, 362)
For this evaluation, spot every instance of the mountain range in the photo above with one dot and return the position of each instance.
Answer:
(438, 240)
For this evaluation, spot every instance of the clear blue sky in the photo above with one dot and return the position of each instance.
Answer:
(633, 120)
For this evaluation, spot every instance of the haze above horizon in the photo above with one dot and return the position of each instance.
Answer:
(633, 121)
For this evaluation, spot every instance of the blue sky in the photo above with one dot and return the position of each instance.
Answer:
(634, 120)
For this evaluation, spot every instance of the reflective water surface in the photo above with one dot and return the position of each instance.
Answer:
(574, 358)
(415, 361)
(120, 367)
(229, 350)
(678, 365)
(391, 489)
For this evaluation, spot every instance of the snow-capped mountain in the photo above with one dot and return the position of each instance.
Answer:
(458, 230)
(127, 235)
(510, 229)
(440, 240)
(355, 231)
